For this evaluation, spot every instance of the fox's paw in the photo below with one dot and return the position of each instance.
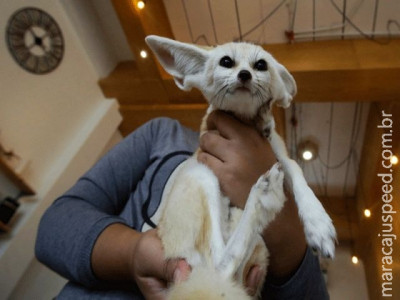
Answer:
(266, 198)
(319, 231)
(270, 187)
(271, 178)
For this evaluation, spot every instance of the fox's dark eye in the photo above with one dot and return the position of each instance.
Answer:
(261, 65)
(226, 62)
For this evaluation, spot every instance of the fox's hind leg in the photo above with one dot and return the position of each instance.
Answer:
(190, 225)
(255, 257)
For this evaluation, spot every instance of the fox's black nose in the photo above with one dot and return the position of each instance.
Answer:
(244, 76)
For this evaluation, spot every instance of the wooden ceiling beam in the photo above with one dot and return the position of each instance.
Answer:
(137, 24)
(348, 85)
(189, 115)
(325, 71)
(368, 84)
(359, 54)
(342, 70)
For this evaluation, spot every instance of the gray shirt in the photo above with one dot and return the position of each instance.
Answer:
(126, 186)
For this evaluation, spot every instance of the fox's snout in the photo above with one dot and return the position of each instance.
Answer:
(244, 76)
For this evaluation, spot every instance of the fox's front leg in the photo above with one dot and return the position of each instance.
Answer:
(265, 200)
(318, 228)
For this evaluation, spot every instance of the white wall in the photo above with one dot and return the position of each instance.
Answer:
(40, 113)
(98, 28)
(38, 282)
(112, 30)
(59, 123)
(346, 280)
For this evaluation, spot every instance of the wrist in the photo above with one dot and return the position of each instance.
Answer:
(286, 243)
(285, 260)
(113, 251)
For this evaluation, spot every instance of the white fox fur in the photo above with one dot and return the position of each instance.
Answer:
(218, 241)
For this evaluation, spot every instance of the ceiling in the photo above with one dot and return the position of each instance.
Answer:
(279, 21)
(336, 128)
(338, 131)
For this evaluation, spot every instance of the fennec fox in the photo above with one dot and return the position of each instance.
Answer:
(218, 241)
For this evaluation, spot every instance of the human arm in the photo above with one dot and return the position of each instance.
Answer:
(74, 222)
(122, 254)
(85, 235)
(238, 155)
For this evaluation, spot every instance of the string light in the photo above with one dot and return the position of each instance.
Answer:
(307, 150)
(140, 4)
(307, 155)
(143, 54)
(394, 160)
(367, 212)
(354, 259)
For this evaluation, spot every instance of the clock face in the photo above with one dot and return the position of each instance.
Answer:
(35, 40)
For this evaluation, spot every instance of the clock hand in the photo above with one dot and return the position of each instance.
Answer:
(33, 32)
(43, 48)
(45, 35)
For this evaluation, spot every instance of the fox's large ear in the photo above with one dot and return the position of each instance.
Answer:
(185, 62)
(285, 87)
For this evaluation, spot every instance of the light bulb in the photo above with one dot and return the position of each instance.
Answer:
(140, 4)
(367, 213)
(143, 54)
(307, 150)
(307, 155)
(394, 160)
(354, 259)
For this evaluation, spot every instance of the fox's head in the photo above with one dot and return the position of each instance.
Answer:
(236, 77)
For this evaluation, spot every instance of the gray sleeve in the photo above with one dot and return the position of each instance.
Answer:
(307, 283)
(69, 228)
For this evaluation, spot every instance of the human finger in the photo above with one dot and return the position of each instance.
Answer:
(214, 144)
(211, 162)
(152, 271)
(225, 124)
(149, 265)
(253, 279)
(178, 271)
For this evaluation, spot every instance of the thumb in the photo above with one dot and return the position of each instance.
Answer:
(253, 280)
(178, 270)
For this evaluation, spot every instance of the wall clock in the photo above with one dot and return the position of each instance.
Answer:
(35, 40)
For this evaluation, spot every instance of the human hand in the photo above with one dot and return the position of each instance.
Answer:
(253, 280)
(151, 271)
(237, 154)
(123, 254)
(286, 254)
